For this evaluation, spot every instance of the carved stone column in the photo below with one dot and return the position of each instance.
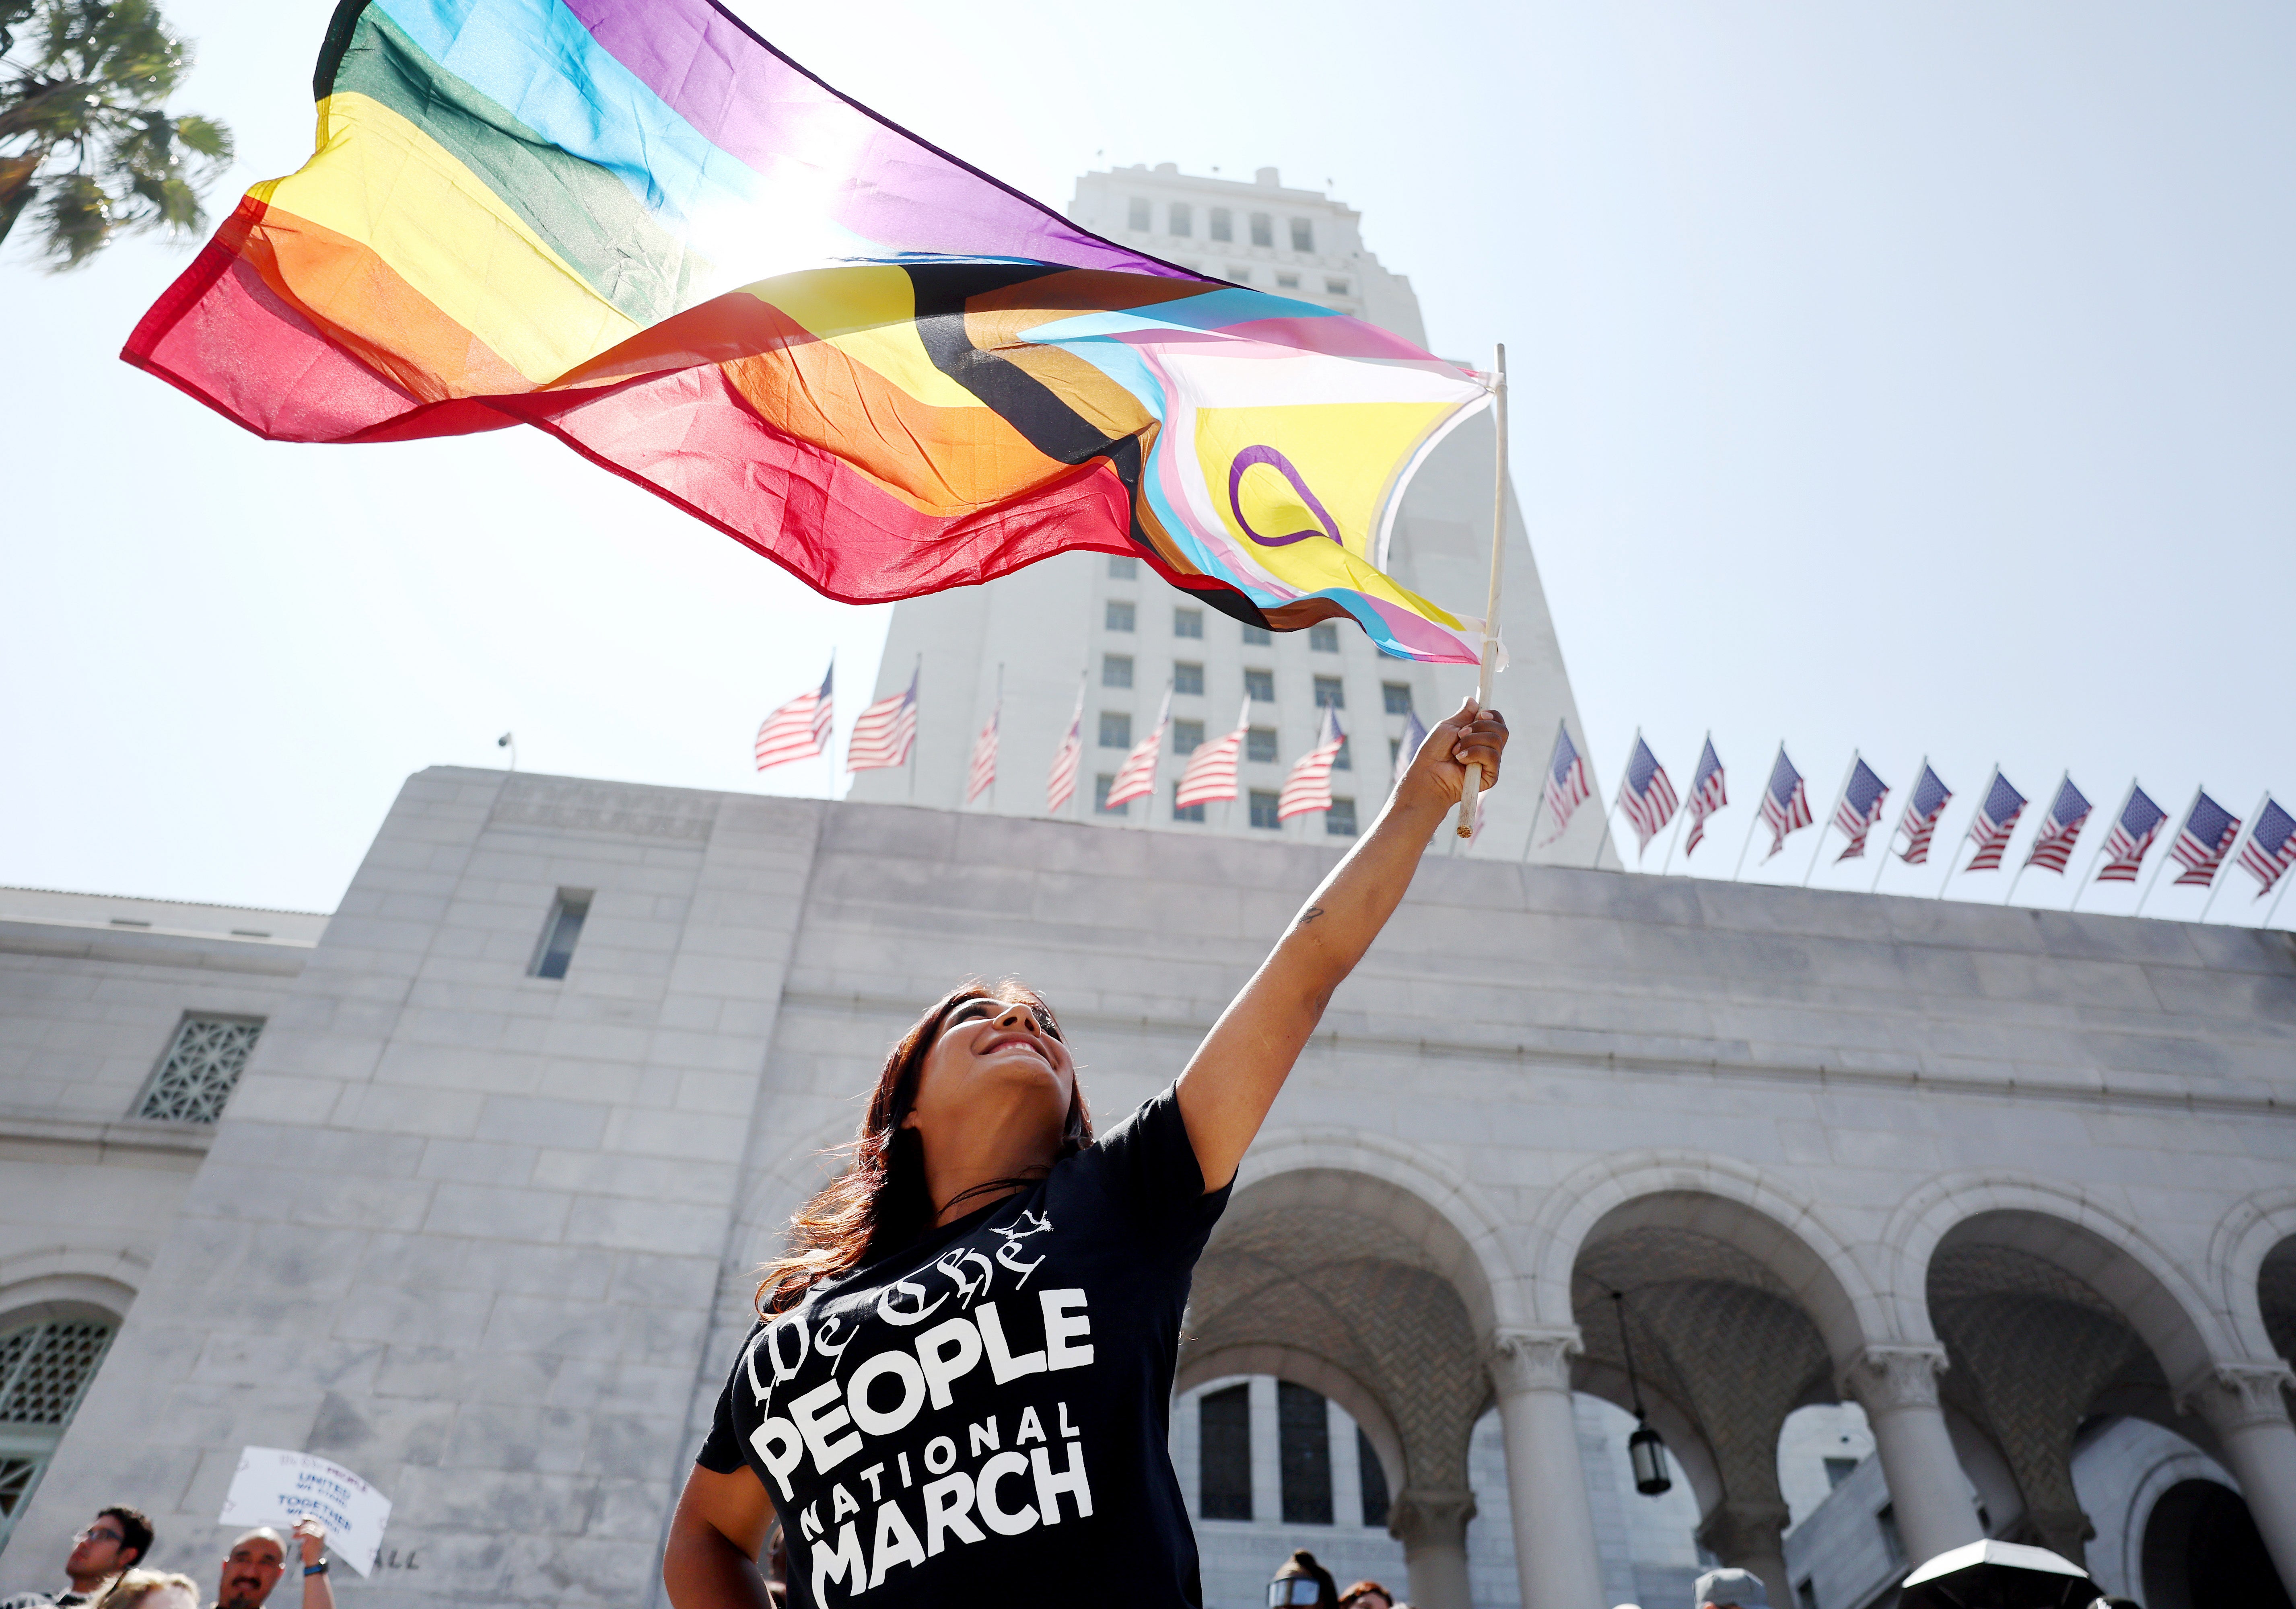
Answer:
(2242, 1403)
(1751, 1535)
(1897, 1386)
(1433, 1527)
(1555, 1555)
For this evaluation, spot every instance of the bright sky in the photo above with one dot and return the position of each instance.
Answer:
(1910, 379)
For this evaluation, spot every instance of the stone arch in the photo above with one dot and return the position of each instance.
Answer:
(2248, 1236)
(1727, 1200)
(1318, 1373)
(2062, 1224)
(70, 1282)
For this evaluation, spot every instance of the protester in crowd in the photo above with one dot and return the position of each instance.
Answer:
(1302, 1582)
(258, 1559)
(151, 1590)
(1731, 1589)
(117, 1538)
(1367, 1594)
(957, 1391)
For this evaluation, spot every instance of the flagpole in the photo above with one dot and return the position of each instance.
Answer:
(2097, 853)
(1882, 860)
(1546, 781)
(1626, 773)
(916, 680)
(1683, 810)
(1955, 852)
(2223, 865)
(1603, 842)
(1840, 797)
(2063, 777)
(2186, 817)
(1756, 822)
(1472, 783)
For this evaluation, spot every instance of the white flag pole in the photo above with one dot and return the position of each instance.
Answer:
(2184, 817)
(1603, 840)
(2063, 777)
(2224, 866)
(1881, 860)
(1756, 822)
(1545, 778)
(1954, 854)
(1840, 796)
(1474, 778)
(2097, 853)
(1683, 810)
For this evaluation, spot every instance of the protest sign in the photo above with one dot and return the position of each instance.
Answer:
(276, 1487)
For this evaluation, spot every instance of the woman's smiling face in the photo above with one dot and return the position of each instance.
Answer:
(994, 1056)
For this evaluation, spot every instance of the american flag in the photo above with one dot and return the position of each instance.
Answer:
(1860, 810)
(1210, 774)
(1415, 733)
(2202, 842)
(2132, 835)
(1931, 796)
(799, 729)
(1785, 803)
(1567, 787)
(1137, 775)
(1646, 796)
(885, 733)
(2061, 829)
(1997, 819)
(1309, 787)
(981, 775)
(1707, 795)
(2271, 848)
(1060, 785)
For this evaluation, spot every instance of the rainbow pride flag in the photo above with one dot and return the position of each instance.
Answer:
(635, 225)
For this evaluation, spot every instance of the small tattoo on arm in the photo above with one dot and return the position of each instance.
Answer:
(1308, 915)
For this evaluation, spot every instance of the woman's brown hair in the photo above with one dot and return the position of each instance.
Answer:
(879, 1203)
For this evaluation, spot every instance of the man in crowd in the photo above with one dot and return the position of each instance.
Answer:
(116, 1540)
(258, 1559)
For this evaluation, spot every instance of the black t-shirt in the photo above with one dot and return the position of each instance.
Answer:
(981, 1418)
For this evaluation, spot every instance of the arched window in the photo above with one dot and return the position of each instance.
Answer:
(44, 1368)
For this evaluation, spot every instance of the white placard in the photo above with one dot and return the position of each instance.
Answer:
(276, 1487)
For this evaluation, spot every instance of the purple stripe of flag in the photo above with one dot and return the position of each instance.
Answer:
(758, 106)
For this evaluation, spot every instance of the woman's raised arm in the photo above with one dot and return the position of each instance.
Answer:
(1238, 1071)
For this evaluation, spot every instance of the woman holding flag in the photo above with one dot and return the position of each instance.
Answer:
(957, 1386)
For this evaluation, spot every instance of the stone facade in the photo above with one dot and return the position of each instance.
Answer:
(485, 1237)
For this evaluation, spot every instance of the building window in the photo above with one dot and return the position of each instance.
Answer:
(1115, 729)
(1223, 223)
(1259, 744)
(1115, 670)
(1239, 273)
(1335, 287)
(1260, 686)
(1185, 812)
(1188, 678)
(1263, 229)
(568, 913)
(1263, 810)
(1303, 234)
(1182, 223)
(1805, 1594)
(1340, 820)
(1188, 623)
(45, 1370)
(1100, 806)
(1303, 1445)
(1394, 752)
(1138, 216)
(1345, 760)
(1119, 615)
(1123, 570)
(1373, 1482)
(1287, 281)
(1397, 695)
(1330, 694)
(1187, 737)
(1324, 637)
(200, 1070)
(1837, 1470)
(1256, 636)
(1223, 1453)
(1894, 1544)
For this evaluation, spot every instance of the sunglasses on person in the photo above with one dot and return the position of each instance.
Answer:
(98, 1533)
(1294, 1590)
